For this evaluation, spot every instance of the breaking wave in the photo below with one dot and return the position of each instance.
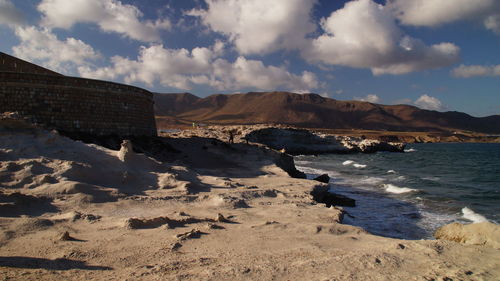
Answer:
(347, 162)
(391, 188)
(472, 216)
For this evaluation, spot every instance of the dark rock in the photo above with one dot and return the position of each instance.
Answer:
(285, 162)
(323, 178)
(301, 141)
(321, 194)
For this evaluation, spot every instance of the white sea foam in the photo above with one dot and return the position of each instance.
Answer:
(302, 162)
(391, 188)
(472, 216)
(391, 172)
(410, 150)
(347, 162)
(312, 172)
(360, 166)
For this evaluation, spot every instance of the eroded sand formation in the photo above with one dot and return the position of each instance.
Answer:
(76, 211)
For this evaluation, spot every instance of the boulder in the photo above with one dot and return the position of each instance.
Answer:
(484, 233)
(323, 178)
(322, 194)
(126, 152)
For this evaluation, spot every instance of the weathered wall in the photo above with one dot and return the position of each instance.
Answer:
(78, 105)
(13, 64)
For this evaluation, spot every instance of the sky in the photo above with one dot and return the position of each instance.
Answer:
(439, 55)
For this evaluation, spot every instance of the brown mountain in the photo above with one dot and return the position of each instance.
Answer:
(314, 111)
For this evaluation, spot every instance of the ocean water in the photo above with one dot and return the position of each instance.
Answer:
(409, 195)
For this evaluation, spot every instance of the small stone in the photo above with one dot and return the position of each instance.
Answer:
(175, 246)
(221, 218)
(65, 237)
(194, 233)
(213, 226)
(323, 178)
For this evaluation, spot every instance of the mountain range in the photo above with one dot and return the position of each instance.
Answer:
(311, 111)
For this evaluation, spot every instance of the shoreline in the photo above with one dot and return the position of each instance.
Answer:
(217, 212)
(443, 136)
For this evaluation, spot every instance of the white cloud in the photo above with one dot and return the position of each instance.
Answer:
(467, 71)
(260, 26)
(433, 13)
(169, 67)
(109, 15)
(493, 23)
(364, 34)
(369, 98)
(9, 14)
(428, 102)
(182, 69)
(41, 46)
(245, 73)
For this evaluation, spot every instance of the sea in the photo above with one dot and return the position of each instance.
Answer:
(409, 195)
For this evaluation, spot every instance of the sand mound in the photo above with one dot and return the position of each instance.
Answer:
(485, 233)
(93, 193)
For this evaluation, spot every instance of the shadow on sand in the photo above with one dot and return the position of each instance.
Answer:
(40, 263)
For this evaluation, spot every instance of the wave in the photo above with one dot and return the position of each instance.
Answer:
(400, 178)
(360, 166)
(391, 172)
(347, 162)
(431, 178)
(410, 150)
(391, 188)
(473, 216)
(371, 180)
(312, 172)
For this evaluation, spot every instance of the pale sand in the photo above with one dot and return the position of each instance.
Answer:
(269, 227)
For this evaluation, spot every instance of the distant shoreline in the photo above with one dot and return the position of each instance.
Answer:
(166, 124)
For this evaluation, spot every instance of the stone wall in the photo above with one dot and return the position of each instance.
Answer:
(13, 64)
(78, 105)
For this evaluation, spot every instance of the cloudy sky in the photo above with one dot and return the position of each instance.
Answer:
(440, 55)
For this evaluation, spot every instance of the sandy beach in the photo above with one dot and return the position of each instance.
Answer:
(76, 211)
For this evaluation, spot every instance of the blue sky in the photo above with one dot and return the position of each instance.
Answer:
(440, 55)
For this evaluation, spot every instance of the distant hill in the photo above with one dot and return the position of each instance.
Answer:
(314, 111)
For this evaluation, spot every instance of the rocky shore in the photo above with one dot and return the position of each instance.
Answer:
(197, 208)
(292, 140)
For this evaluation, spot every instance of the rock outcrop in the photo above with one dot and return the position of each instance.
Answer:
(322, 178)
(322, 194)
(484, 233)
(299, 141)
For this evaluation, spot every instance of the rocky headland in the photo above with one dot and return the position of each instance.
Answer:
(191, 206)
(290, 140)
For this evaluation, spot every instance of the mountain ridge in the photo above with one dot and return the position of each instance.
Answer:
(314, 111)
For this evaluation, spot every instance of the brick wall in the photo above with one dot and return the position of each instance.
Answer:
(13, 64)
(78, 105)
